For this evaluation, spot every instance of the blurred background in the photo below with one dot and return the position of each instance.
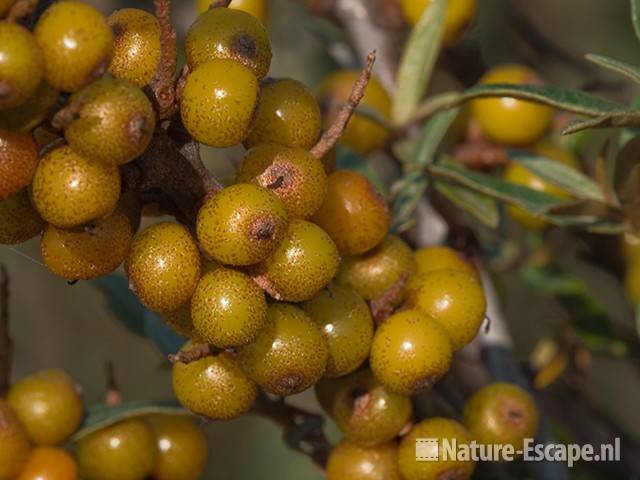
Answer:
(69, 327)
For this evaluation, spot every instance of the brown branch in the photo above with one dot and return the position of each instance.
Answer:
(6, 344)
(21, 9)
(383, 306)
(336, 130)
(302, 430)
(163, 84)
(193, 353)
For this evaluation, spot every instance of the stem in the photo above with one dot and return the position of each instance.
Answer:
(163, 84)
(6, 344)
(21, 9)
(193, 354)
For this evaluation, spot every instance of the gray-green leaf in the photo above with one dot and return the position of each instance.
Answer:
(480, 206)
(635, 16)
(623, 68)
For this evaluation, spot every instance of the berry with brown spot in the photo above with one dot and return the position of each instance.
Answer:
(18, 161)
(19, 221)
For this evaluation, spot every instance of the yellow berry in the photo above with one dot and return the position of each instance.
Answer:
(257, 8)
(346, 322)
(290, 353)
(49, 463)
(287, 114)
(48, 405)
(293, 174)
(225, 33)
(32, 112)
(242, 224)
(429, 259)
(180, 321)
(353, 213)
(214, 386)
(410, 352)
(14, 441)
(458, 15)
(305, 261)
(18, 161)
(21, 65)
(557, 153)
(218, 102)
(362, 135)
(73, 56)
(375, 271)
(136, 52)
(508, 120)
(19, 221)
(71, 190)
(114, 124)
(359, 463)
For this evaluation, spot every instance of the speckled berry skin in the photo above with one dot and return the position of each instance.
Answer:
(77, 44)
(410, 352)
(287, 114)
(353, 213)
(257, 8)
(293, 174)
(123, 451)
(228, 309)
(242, 224)
(21, 64)
(429, 259)
(367, 413)
(346, 323)
(501, 414)
(163, 266)
(290, 353)
(19, 221)
(48, 405)
(115, 122)
(69, 190)
(136, 52)
(182, 447)
(218, 102)
(362, 134)
(14, 441)
(49, 463)
(18, 161)
(377, 270)
(214, 386)
(437, 428)
(225, 33)
(32, 112)
(305, 261)
(454, 298)
(358, 463)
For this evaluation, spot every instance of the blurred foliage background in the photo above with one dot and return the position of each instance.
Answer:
(69, 327)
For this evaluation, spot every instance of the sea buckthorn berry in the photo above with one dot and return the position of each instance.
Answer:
(290, 353)
(136, 52)
(358, 463)
(508, 120)
(181, 447)
(362, 135)
(453, 298)
(287, 114)
(458, 15)
(345, 320)
(228, 309)
(557, 153)
(353, 213)
(242, 224)
(367, 413)
(163, 266)
(214, 386)
(123, 451)
(69, 190)
(257, 8)
(325, 390)
(14, 441)
(305, 261)
(440, 429)
(501, 414)
(32, 112)
(88, 253)
(114, 124)
(49, 463)
(225, 33)
(293, 174)
(377, 270)
(21, 64)
(410, 352)
(48, 405)
(18, 161)
(218, 102)
(19, 221)
(180, 321)
(73, 56)
(429, 259)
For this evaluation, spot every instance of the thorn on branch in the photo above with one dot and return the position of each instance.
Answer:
(194, 353)
(336, 130)
(163, 84)
(6, 344)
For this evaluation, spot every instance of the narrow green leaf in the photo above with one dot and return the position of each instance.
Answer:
(480, 206)
(635, 16)
(431, 136)
(419, 57)
(411, 189)
(623, 68)
(102, 416)
(571, 180)
(628, 118)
